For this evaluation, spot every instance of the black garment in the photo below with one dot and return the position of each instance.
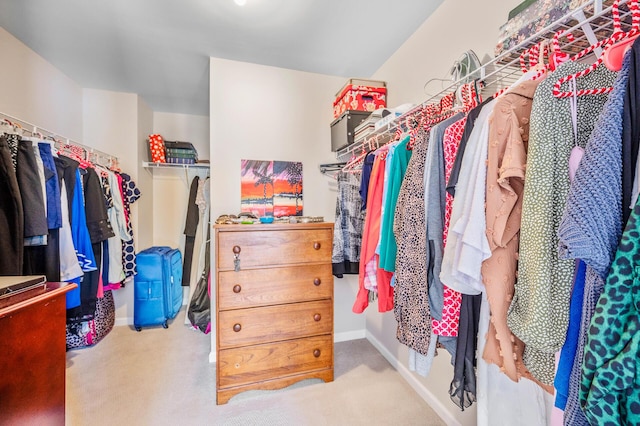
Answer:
(630, 130)
(35, 219)
(472, 116)
(44, 260)
(88, 291)
(52, 260)
(199, 311)
(66, 169)
(190, 230)
(11, 215)
(96, 209)
(463, 386)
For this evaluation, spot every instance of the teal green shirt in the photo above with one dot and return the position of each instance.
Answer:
(398, 168)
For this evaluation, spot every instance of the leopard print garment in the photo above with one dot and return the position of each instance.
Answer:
(610, 389)
(411, 296)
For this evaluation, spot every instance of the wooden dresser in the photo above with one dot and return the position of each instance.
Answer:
(33, 356)
(274, 306)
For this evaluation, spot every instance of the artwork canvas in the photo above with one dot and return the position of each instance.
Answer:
(271, 188)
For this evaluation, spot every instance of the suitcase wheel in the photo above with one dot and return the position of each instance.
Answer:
(165, 325)
(138, 329)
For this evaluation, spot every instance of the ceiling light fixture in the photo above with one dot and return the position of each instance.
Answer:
(240, 2)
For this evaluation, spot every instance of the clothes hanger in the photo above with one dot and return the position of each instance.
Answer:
(614, 54)
(536, 62)
(617, 35)
(355, 162)
(7, 127)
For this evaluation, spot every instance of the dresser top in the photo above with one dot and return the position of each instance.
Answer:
(273, 227)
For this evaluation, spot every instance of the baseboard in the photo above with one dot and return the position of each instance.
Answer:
(123, 321)
(410, 377)
(345, 336)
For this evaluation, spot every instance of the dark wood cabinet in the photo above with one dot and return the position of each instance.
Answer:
(33, 356)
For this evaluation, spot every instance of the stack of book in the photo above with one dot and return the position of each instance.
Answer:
(180, 152)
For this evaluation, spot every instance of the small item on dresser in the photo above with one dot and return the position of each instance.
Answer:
(247, 218)
(310, 219)
(266, 219)
(226, 219)
(11, 285)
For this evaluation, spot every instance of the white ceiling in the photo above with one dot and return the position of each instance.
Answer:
(160, 49)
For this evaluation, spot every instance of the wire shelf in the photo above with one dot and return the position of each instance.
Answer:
(589, 23)
(62, 143)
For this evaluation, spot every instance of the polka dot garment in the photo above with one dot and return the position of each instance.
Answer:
(539, 312)
(131, 195)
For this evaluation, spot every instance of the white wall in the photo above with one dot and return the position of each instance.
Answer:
(145, 206)
(35, 91)
(117, 123)
(171, 188)
(456, 26)
(267, 113)
(184, 127)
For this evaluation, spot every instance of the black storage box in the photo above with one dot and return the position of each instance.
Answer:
(343, 128)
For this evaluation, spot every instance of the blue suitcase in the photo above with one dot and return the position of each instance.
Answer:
(157, 287)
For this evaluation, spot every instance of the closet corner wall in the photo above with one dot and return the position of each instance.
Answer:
(171, 185)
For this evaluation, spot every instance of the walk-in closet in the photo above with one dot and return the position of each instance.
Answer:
(304, 212)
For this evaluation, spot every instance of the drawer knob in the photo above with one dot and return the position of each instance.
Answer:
(316, 353)
(317, 245)
(237, 288)
(317, 281)
(237, 249)
(317, 317)
(237, 327)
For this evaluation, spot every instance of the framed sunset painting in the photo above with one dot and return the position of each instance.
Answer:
(271, 188)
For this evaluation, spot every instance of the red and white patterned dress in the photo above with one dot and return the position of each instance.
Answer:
(448, 326)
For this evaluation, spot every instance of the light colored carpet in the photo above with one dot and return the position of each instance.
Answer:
(163, 377)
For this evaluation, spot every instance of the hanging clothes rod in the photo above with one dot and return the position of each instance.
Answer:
(503, 70)
(91, 154)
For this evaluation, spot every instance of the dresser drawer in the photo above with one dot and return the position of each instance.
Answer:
(261, 287)
(272, 248)
(263, 362)
(259, 325)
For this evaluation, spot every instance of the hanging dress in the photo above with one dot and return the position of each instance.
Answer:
(411, 293)
(539, 312)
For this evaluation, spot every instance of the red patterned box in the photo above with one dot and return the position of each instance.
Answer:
(360, 95)
(156, 148)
